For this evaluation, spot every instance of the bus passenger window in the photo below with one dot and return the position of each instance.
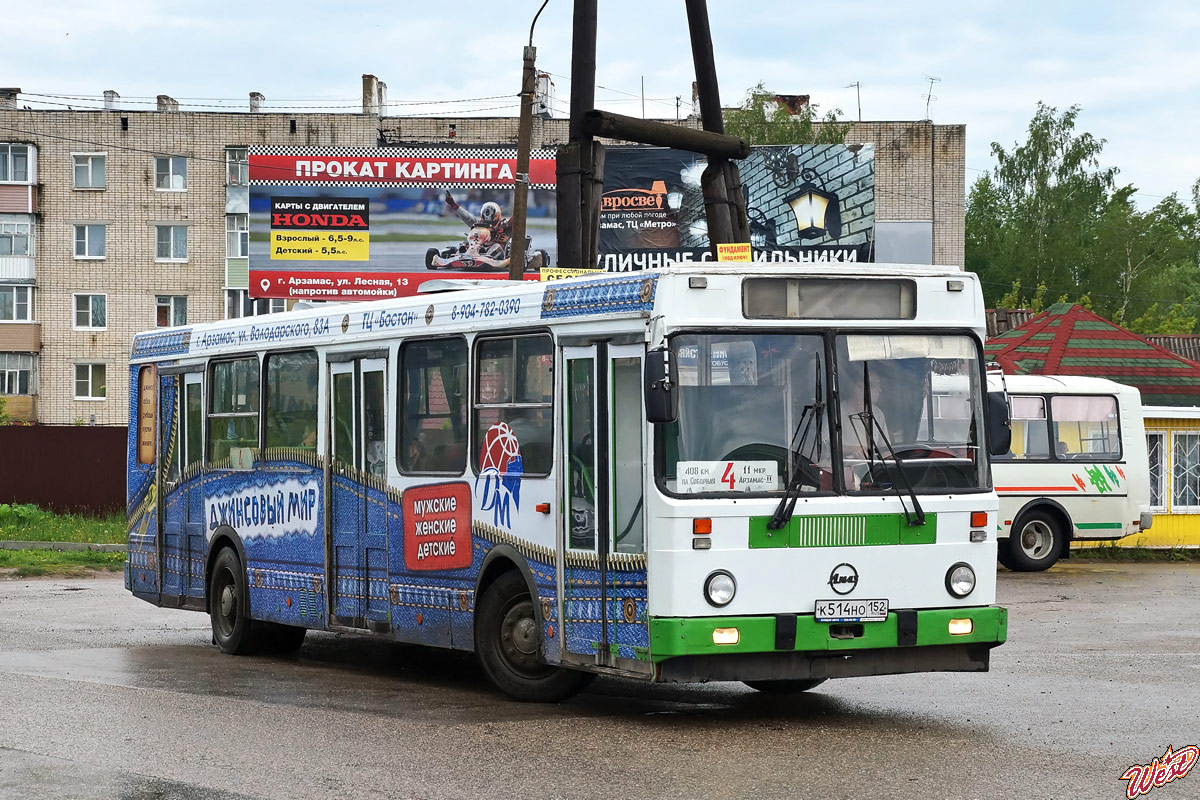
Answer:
(432, 427)
(514, 404)
(233, 409)
(291, 400)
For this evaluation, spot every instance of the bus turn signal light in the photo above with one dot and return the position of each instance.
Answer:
(978, 519)
(961, 627)
(702, 527)
(726, 636)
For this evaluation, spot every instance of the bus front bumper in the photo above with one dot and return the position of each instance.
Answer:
(796, 647)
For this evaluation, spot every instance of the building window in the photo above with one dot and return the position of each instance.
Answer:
(1185, 472)
(170, 242)
(89, 382)
(91, 312)
(170, 310)
(239, 303)
(89, 241)
(14, 163)
(1154, 450)
(16, 238)
(237, 235)
(237, 167)
(18, 373)
(16, 304)
(170, 173)
(89, 170)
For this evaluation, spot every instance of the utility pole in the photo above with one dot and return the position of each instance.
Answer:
(516, 262)
(857, 87)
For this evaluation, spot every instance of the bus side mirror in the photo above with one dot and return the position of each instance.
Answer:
(999, 429)
(662, 386)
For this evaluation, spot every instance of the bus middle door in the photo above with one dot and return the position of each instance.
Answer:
(358, 522)
(603, 561)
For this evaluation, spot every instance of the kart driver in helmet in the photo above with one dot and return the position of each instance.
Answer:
(489, 217)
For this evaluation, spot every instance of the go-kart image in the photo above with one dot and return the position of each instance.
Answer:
(479, 253)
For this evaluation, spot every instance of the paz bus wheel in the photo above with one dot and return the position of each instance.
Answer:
(1035, 542)
(508, 643)
(233, 631)
(785, 687)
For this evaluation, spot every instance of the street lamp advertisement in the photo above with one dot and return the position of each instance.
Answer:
(368, 223)
(332, 223)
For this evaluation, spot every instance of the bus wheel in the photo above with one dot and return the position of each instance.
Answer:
(231, 627)
(785, 687)
(283, 638)
(508, 643)
(1035, 543)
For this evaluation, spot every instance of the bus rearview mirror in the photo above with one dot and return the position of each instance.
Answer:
(662, 386)
(999, 428)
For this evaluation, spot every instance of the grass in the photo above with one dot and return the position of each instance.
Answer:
(1113, 552)
(28, 523)
(31, 563)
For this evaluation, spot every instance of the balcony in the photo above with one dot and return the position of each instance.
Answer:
(20, 337)
(19, 198)
(21, 407)
(17, 269)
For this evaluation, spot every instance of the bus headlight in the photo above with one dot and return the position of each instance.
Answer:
(960, 580)
(719, 588)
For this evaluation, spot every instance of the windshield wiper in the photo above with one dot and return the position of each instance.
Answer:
(801, 460)
(916, 517)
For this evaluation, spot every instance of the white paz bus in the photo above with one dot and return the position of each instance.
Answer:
(686, 475)
(1077, 468)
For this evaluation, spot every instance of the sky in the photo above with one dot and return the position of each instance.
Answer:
(1133, 68)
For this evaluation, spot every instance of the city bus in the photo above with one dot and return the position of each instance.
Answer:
(700, 473)
(1077, 469)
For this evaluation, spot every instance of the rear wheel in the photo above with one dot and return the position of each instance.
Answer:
(1035, 543)
(430, 254)
(233, 631)
(785, 687)
(508, 643)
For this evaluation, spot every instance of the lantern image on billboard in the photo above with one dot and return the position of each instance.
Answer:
(818, 211)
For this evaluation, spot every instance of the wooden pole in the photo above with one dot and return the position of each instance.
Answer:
(570, 242)
(593, 191)
(619, 126)
(516, 264)
(573, 248)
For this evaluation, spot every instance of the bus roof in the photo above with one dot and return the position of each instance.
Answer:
(1061, 384)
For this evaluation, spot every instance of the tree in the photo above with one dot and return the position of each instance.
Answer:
(761, 119)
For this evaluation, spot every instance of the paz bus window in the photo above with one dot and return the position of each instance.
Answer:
(1086, 427)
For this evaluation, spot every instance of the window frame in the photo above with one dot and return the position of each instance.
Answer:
(91, 398)
(170, 305)
(15, 235)
(474, 384)
(1163, 477)
(209, 397)
(1053, 423)
(244, 298)
(10, 372)
(87, 227)
(76, 311)
(172, 227)
(170, 173)
(16, 304)
(242, 233)
(1176, 506)
(242, 165)
(265, 395)
(90, 165)
(403, 419)
(6, 157)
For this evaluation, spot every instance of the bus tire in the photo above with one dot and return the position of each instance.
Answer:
(1034, 543)
(508, 645)
(785, 686)
(233, 631)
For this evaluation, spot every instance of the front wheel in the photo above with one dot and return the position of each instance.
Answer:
(1034, 544)
(233, 631)
(508, 643)
(430, 255)
(785, 687)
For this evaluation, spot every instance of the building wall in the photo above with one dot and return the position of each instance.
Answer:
(919, 172)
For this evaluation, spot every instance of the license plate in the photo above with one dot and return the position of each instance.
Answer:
(852, 610)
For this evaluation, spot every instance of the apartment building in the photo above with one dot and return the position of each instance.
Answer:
(114, 220)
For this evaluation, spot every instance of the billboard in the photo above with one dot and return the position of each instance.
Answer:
(366, 223)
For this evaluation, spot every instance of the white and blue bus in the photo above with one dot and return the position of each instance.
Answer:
(702, 473)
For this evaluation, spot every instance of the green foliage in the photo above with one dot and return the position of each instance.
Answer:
(27, 563)
(26, 522)
(1050, 216)
(760, 120)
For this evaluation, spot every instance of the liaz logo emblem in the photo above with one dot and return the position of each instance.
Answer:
(843, 579)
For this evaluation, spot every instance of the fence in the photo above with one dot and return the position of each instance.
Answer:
(63, 468)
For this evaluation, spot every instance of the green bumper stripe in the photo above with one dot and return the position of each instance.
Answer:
(1095, 526)
(690, 636)
(843, 530)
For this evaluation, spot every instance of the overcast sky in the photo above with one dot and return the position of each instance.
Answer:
(1132, 67)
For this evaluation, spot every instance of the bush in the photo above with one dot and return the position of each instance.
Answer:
(16, 515)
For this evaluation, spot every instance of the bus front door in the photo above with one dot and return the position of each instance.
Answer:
(602, 554)
(358, 519)
(183, 498)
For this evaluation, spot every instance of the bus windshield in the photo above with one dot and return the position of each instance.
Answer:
(757, 414)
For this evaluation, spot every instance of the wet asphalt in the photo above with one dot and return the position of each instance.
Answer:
(104, 696)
